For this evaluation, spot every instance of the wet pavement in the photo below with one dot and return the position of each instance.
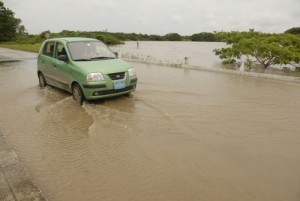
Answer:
(183, 135)
(15, 182)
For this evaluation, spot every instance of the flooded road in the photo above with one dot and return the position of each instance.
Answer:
(183, 135)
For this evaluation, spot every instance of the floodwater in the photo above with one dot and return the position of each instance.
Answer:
(183, 135)
(196, 55)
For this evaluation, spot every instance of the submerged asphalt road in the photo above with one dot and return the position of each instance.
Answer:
(183, 135)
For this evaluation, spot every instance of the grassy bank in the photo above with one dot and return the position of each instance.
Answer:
(24, 47)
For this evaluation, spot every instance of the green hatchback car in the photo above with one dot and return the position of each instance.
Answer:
(85, 67)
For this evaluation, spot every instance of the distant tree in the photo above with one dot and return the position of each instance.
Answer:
(9, 25)
(143, 37)
(173, 37)
(155, 38)
(120, 36)
(66, 33)
(204, 36)
(42, 35)
(266, 49)
(132, 36)
(294, 30)
(21, 30)
(108, 39)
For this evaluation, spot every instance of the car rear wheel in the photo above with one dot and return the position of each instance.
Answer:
(77, 93)
(42, 81)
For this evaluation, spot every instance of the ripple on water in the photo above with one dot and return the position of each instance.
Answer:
(183, 135)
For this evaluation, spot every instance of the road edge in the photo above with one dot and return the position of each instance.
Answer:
(15, 181)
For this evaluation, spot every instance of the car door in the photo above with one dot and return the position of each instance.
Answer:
(63, 72)
(47, 61)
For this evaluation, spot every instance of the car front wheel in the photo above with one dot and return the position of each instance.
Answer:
(77, 93)
(42, 81)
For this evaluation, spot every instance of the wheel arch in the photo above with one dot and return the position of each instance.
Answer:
(73, 83)
(39, 72)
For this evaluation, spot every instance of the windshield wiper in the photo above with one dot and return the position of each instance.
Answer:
(96, 58)
(83, 60)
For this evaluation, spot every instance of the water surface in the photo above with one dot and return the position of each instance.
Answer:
(183, 135)
(195, 55)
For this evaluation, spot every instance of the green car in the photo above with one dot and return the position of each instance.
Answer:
(85, 67)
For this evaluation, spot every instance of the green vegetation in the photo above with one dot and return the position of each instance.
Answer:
(173, 37)
(294, 30)
(103, 36)
(266, 49)
(10, 26)
(29, 42)
(24, 47)
(209, 37)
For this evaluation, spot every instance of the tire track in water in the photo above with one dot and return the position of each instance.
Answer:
(63, 140)
(127, 156)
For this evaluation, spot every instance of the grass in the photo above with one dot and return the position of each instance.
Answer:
(24, 47)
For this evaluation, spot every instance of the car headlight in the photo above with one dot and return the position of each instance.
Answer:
(94, 77)
(131, 72)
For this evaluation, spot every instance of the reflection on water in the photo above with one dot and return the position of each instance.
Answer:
(183, 135)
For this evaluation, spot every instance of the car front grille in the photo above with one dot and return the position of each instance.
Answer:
(113, 91)
(117, 76)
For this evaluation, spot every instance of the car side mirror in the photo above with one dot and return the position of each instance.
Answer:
(63, 58)
(117, 54)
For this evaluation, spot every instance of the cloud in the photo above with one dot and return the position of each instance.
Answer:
(156, 16)
(176, 19)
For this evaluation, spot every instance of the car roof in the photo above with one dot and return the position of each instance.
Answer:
(72, 39)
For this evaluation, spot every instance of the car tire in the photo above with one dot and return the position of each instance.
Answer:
(77, 93)
(42, 81)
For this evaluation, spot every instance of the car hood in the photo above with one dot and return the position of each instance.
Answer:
(106, 66)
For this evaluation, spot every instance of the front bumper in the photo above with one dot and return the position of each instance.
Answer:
(105, 89)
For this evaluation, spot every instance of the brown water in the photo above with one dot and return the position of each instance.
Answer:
(196, 55)
(183, 135)
(199, 54)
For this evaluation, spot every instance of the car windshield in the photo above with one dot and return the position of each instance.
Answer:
(89, 50)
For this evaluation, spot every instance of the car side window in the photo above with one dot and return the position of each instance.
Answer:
(60, 50)
(49, 49)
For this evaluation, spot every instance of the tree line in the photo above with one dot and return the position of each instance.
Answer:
(109, 38)
(12, 29)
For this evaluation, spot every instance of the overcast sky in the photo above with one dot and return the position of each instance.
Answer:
(185, 17)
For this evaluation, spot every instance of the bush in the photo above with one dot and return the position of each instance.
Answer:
(295, 30)
(108, 39)
(173, 37)
(204, 36)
